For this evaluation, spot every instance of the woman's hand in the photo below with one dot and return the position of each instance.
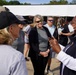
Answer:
(54, 45)
(45, 54)
(48, 51)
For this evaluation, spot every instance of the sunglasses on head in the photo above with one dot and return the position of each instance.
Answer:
(38, 21)
(51, 20)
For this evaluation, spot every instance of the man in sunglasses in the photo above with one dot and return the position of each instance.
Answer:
(53, 31)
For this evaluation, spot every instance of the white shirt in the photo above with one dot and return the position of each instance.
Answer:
(12, 62)
(27, 30)
(67, 60)
(70, 27)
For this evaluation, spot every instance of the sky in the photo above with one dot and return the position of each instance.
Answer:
(36, 1)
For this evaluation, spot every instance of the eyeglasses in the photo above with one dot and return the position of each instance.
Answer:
(51, 20)
(38, 21)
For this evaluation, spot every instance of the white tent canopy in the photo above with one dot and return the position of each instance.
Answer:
(44, 10)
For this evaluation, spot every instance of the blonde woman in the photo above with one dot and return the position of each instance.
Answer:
(12, 62)
(39, 46)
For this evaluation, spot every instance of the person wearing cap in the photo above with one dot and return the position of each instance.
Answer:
(19, 43)
(67, 55)
(12, 62)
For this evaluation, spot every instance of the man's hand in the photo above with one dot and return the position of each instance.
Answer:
(54, 45)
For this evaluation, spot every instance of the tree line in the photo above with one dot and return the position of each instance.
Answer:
(15, 2)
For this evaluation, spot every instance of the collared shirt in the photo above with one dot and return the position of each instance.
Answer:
(51, 29)
(12, 62)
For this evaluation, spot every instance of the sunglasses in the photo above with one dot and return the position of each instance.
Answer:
(51, 20)
(38, 21)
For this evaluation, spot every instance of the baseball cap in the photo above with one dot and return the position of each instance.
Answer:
(21, 18)
(7, 19)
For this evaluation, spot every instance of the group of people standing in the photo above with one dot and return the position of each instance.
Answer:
(41, 41)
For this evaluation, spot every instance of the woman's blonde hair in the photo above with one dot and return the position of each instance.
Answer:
(37, 16)
(5, 37)
(32, 25)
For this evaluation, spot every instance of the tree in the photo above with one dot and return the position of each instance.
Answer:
(61, 2)
(27, 3)
(3, 2)
(73, 1)
(14, 3)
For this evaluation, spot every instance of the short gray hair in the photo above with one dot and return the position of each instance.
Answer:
(50, 17)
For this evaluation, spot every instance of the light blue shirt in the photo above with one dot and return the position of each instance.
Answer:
(51, 29)
(12, 62)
